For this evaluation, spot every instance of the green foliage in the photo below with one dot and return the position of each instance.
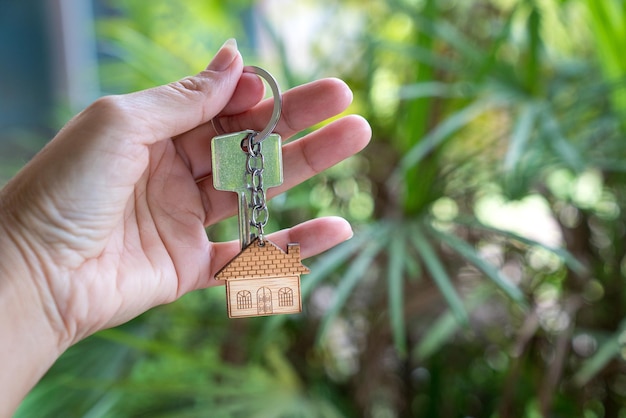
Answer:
(153, 44)
(441, 305)
(608, 20)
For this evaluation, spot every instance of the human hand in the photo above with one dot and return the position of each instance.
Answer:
(108, 220)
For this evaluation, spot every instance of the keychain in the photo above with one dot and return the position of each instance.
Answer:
(262, 279)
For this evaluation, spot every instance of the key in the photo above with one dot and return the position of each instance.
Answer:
(230, 174)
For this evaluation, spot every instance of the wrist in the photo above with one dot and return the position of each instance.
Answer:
(31, 340)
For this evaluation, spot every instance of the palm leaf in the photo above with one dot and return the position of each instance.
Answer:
(438, 273)
(469, 253)
(520, 136)
(569, 260)
(446, 326)
(351, 278)
(442, 132)
(553, 136)
(395, 277)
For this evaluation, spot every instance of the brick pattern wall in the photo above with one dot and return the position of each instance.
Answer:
(256, 262)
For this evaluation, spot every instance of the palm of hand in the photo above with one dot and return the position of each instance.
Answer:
(157, 251)
(136, 242)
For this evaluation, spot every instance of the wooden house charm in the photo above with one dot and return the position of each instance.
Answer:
(263, 280)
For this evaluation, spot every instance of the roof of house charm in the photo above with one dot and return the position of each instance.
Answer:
(263, 280)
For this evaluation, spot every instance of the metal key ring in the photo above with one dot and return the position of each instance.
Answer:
(278, 104)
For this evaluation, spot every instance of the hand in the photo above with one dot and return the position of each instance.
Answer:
(108, 220)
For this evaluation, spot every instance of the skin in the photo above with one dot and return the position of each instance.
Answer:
(108, 220)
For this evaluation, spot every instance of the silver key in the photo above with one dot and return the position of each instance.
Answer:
(229, 171)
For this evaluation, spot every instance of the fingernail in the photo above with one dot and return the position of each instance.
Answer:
(225, 56)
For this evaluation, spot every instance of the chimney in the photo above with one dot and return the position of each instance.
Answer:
(293, 250)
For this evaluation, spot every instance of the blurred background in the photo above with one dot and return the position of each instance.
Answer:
(487, 274)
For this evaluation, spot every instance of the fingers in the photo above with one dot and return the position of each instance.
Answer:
(302, 159)
(314, 236)
(303, 106)
(322, 149)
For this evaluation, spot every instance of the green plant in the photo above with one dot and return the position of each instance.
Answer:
(483, 112)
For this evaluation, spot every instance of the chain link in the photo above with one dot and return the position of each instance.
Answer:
(255, 164)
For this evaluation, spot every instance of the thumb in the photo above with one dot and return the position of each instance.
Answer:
(123, 125)
(172, 109)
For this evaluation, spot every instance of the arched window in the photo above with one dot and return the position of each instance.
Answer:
(285, 296)
(244, 299)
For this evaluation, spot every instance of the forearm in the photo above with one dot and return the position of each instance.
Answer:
(28, 344)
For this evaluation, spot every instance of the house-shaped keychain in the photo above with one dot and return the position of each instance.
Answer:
(263, 280)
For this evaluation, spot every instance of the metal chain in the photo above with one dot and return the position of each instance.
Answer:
(255, 164)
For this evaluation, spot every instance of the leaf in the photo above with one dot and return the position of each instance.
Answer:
(148, 345)
(554, 137)
(426, 55)
(351, 278)
(446, 326)
(490, 65)
(443, 30)
(104, 406)
(395, 278)
(608, 21)
(534, 49)
(606, 352)
(442, 132)
(439, 274)
(337, 256)
(468, 252)
(520, 136)
(433, 89)
(412, 266)
(571, 261)
(438, 333)
(92, 359)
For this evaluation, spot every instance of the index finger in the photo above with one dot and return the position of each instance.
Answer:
(303, 106)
